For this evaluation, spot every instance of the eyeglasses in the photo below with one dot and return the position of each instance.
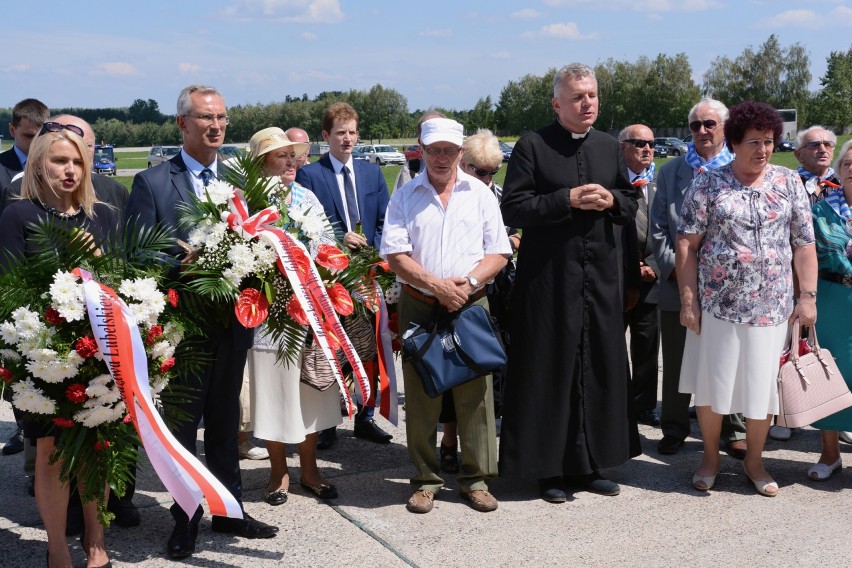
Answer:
(449, 151)
(817, 143)
(641, 143)
(57, 127)
(211, 118)
(483, 173)
(709, 125)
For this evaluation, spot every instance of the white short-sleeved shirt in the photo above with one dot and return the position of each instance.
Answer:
(446, 242)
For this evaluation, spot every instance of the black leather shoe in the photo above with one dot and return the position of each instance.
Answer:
(552, 490)
(181, 543)
(326, 438)
(669, 445)
(74, 520)
(246, 527)
(595, 483)
(126, 513)
(15, 445)
(649, 417)
(369, 430)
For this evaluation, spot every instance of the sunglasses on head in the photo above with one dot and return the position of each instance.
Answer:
(56, 127)
(708, 125)
(641, 143)
(482, 173)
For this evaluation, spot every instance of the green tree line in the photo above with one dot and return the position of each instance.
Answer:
(658, 92)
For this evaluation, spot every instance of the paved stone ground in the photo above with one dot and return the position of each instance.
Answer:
(658, 520)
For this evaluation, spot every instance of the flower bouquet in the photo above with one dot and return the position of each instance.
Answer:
(58, 374)
(277, 266)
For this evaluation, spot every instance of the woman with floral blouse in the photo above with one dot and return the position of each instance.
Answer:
(741, 226)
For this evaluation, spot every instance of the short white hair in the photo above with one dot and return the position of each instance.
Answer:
(800, 138)
(573, 71)
(716, 106)
(843, 149)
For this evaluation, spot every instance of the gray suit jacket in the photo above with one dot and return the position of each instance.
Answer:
(672, 181)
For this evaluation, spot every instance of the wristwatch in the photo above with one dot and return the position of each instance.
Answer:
(811, 293)
(472, 281)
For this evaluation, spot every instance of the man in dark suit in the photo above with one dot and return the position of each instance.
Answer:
(27, 118)
(637, 141)
(355, 196)
(202, 118)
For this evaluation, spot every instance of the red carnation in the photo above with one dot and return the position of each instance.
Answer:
(86, 347)
(154, 334)
(295, 311)
(251, 308)
(127, 419)
(76, 393)
(102, 445)
(63, 422)
(331, 257)
(173, 297)
(6, 374)
(167, 365)
(52, 316)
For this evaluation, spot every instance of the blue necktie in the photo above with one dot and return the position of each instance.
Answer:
(351, 200)
(206, 176)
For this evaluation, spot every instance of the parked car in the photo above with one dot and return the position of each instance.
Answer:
(661, 151)
(507, 151)
(318, 150)
(358, 153)
(687, 138)
(228, 152)
(674, 146)
(412, 152)
(785, 146)
(381, 155)
(104, 163)
(160, 154)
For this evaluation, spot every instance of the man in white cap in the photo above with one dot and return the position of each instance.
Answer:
(444, 238)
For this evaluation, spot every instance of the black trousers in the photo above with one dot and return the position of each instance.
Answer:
(644, 351)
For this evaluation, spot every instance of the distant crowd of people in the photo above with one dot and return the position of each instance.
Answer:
(709, 257)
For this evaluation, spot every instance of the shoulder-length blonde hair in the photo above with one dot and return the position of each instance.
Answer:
(35, 184)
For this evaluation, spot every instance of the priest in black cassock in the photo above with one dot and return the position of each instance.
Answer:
(566, 401)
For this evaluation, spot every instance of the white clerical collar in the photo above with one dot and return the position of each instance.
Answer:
(574, 135)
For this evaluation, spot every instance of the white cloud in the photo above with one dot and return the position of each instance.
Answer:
(115, 69)
(499, 55)
(526, 14)
(189, 68)
(645, 6)
(285, 11)
(18, 68)
(798, 18)
(567, 30)
(308, 36)
(429, 32)
(841, 16)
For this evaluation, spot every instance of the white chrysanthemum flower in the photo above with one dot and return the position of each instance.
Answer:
(313, 227)
(233, 276)
(42, 355)
(28, 325)
(264, 253)
(149, 301)
(67, 296)
(158, 384)
(162, 349)
(74, 358)
(98, 386)
(29, 398)
(53, 370)
(9, 355)
(219, 192)
(92, 417)
(8, 333)
(242, 257)
(173, 333)
(296, 215)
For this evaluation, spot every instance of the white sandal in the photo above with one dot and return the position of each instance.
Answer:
(821, 471)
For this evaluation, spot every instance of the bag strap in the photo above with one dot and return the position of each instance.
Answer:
(468, 360)
(794, 332)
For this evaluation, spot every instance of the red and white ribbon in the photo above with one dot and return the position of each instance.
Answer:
(308, 287)
(117, 334)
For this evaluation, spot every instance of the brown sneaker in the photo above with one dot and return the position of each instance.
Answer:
(421, 501)
(481, 500)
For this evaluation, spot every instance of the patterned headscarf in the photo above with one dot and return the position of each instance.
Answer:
(699, 164)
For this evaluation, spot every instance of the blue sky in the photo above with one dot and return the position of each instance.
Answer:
(434, 52)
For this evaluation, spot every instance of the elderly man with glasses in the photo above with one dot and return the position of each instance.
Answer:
(815, 151)
(445, 239)
(154, 201)
(706, 151)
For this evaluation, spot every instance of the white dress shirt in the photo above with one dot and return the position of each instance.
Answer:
(195, 168)
(446, 242)
(337, 165)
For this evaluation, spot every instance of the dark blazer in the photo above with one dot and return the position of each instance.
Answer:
(672, 180)
(107, 190)
(155, 196)
(370, 186)
(10, 165)
(648, 291)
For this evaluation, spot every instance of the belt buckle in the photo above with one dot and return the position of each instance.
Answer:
(846, 280)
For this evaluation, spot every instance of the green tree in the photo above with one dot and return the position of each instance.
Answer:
(482, 115)
(772, 74)
(381, 112)
(526, 104)
(832, 105)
